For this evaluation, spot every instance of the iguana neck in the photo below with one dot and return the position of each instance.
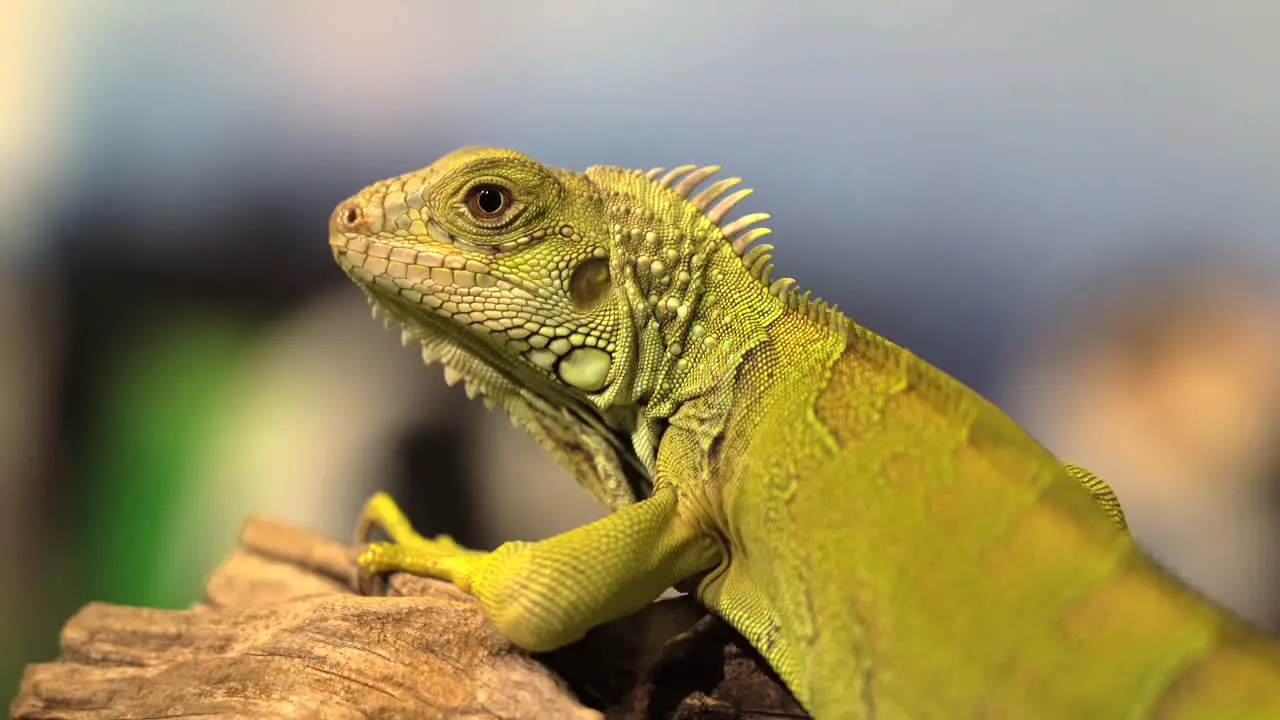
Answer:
(696, 312)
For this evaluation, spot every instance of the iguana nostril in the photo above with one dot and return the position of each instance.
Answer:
(348, 217)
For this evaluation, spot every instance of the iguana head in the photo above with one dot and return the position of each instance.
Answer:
(587, 305)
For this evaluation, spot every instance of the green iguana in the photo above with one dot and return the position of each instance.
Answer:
(890, 542)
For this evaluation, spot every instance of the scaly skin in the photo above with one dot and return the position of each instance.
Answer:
(893, 544)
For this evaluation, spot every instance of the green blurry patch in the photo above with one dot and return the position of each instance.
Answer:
(161, 397)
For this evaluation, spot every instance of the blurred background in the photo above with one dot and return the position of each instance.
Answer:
(1071, 206)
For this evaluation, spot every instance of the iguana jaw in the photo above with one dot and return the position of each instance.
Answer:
(572, 430)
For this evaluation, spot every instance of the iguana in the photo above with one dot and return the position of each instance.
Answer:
(892, 544)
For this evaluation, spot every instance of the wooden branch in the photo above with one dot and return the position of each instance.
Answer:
(281, 633)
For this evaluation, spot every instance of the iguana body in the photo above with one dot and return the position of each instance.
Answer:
(893, 544)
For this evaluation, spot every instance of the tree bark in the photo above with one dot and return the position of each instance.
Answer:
(281, 633)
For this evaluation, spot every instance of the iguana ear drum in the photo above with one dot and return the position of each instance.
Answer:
(589, 283)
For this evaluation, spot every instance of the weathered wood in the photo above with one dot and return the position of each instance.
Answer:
(281, 633)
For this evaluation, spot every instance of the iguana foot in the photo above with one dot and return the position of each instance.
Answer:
(407, 550)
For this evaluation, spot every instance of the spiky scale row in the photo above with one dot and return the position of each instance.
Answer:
(712, 192)
(675, 173)
(732, 229)
(717, 213)
(816, 310)
(694, 179)
(435, 350)
(742, 241)
(756, 254)
(742, 238)
(780, 286)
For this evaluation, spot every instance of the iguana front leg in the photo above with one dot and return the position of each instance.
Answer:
(545, 594)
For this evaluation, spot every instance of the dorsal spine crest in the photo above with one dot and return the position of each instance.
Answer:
(742, 235)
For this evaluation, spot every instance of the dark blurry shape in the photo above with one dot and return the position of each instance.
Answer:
(438, 482)
(1164, 378)
(30, 335)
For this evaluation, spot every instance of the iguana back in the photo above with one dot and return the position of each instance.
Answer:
(925, 555)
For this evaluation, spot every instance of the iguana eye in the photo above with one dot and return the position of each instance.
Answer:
(486, 202)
